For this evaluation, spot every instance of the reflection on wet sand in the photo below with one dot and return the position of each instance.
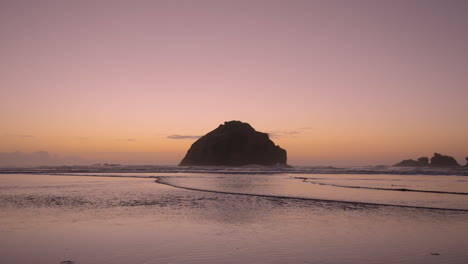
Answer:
(134, 220)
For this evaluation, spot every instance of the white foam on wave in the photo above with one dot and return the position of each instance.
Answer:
(251, 169)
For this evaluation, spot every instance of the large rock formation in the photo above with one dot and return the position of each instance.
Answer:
(466, 162)
(421, 162)
(443, 161)
(234, 144)
(437, 160)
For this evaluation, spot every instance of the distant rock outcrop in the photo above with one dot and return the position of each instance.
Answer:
(424, 161)
(437, 160)
(466, 162)
(421, 162)
(443, 161)
(234, 144)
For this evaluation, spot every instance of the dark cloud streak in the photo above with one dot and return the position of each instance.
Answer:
(183, 137)
(279, 134)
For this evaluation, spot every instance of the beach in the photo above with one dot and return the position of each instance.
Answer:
(130, 218)
(219, 132)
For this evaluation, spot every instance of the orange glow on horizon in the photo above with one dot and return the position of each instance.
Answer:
(354, 83)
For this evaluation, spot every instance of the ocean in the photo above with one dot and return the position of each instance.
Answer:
(252, 214)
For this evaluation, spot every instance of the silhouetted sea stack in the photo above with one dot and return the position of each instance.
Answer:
(466, 162)
(443, 161)
(234, 144)
(437, 160)
(421, 162)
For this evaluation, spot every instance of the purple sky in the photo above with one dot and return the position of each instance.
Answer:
(336, 82)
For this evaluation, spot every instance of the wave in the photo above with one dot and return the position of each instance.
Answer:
(252, 169)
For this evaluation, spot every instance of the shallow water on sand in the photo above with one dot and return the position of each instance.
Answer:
(444, 192)
(49, 219)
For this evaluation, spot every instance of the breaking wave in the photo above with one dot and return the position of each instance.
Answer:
(251, 169)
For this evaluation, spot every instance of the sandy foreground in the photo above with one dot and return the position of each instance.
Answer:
(55, 219)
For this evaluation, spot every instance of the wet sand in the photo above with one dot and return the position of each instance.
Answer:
(51, 219)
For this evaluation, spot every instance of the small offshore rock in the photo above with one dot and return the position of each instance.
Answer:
(424, 161)
(421, 162)
(439, 160)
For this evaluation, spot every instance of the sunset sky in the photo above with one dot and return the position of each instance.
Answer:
(333, 82)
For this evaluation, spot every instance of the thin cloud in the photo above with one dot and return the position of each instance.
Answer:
(126, 139)
(279, 134)
(306, 128)
(18, 135)
(183, 137)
